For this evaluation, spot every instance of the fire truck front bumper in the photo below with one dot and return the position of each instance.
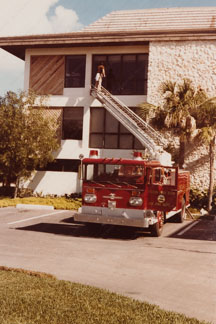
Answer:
(116, 216)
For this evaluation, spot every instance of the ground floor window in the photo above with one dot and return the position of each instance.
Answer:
(62, 165)
(72, 125)
(126, 74)
(107, 132)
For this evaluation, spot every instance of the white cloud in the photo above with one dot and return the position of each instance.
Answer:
(29, 17)
(25, 17)
(65, 20)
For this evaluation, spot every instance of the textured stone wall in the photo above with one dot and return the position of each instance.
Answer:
(174, 61)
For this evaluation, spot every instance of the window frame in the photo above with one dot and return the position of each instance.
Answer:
(63, 120)
(104, 133)
(67, 78)
(120, 90)
(61, 165)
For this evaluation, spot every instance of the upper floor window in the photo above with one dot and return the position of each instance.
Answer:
(72, 123)
(126, 74)
(75, 71)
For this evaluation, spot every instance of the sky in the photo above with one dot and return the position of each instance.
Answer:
(30, 17)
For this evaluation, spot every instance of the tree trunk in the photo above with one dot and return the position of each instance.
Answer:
(16, 187)
(181, 151)
(211, 174)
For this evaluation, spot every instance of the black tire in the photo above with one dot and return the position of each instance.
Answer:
(180, 217)
(157, 228)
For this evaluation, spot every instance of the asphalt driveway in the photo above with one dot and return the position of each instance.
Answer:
(176, 271)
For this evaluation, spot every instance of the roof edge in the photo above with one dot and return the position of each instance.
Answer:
(88, 34)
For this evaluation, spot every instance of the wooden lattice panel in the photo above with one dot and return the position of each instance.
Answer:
(56, 114)
(47, 74)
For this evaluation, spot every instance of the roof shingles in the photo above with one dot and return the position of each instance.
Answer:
(164, 19)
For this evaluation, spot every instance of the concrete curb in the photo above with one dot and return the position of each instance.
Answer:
(28, 206)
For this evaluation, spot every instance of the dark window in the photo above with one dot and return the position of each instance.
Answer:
(107, 132)
(75, 71)
(62, 165)
(72, 123)
(126, 74)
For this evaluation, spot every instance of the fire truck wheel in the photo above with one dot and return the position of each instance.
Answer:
(157, 228)
(180, 217)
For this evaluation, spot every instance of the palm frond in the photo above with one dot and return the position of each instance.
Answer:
(207, 134)
(167, 86)
(146, 110)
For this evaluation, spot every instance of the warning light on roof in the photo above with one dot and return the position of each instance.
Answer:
(93, 154)
(137, 155)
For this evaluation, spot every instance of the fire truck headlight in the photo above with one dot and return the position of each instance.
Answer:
(90, 198)
(161, 198)
(135, 201)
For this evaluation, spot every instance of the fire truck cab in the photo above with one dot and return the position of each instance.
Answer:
(132, 192)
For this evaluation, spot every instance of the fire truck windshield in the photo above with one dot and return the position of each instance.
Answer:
(115, 173)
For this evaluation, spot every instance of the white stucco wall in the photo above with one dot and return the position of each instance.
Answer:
(66, 182)
(58, 183)
(172, 61)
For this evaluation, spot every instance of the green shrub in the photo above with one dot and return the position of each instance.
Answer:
(198, 198)
(56, 202)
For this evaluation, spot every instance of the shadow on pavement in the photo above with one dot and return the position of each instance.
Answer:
(76, 229)
(202, 229)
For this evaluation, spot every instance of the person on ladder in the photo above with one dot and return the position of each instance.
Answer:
(99, 76)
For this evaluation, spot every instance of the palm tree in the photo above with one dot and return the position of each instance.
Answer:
(206, 121)
(184, 110)
(179, 101)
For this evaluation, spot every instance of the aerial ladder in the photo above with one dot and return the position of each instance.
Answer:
(148, 137)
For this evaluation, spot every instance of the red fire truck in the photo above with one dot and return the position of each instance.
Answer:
(132, 192)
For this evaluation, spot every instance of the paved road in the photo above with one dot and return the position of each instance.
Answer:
(176, 271)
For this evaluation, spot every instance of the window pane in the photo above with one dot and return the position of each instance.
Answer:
(129, 74)
(97, 120)
(96, 140)
(123, 130)
(113, 74)
(75, 71)
(126, 142)
(111, 141)
(111, 124)
(142, 61)
(125, 73)
(141, 74)
(129, 64)
(73, 123)
(138, 145)
(71, 165)
(64, 165)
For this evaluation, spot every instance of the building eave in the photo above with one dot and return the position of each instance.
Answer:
(17, 45)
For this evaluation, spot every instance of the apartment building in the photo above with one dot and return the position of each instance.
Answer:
(139, 49)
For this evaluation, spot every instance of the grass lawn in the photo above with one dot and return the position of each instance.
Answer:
(56, 202)
(32, 298)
